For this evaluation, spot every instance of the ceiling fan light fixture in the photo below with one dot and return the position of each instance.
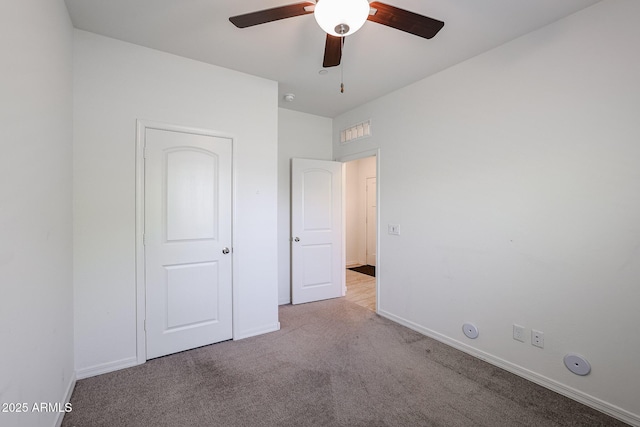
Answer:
(341, 17)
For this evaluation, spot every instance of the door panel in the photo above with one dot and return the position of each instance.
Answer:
(316, 224)
(316, 200)
(191, 194)
(192, 296)
(317, 261)
(187, 225)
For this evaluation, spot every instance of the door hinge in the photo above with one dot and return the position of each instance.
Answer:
(144, 239)
(144, 325)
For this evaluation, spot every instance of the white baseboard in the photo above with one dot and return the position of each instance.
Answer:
(284, 301)
(257, 331)
(133, 361)
(67, 398)
(106, 367)
(541, 380)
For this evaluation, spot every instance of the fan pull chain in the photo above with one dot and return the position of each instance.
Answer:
(342, 65)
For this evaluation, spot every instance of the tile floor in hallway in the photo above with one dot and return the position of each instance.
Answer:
(361, 289)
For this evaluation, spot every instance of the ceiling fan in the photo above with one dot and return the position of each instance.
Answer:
(340, 18)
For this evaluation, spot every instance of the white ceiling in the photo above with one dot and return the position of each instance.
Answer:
(376, 60)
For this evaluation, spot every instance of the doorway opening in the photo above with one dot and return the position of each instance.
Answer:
(361, 209)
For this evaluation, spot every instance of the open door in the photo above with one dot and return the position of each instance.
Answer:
(317, 263)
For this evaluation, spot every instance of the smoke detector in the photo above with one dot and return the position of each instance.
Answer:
(289, 97)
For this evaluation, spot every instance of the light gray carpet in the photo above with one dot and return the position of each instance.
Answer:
(333, 363)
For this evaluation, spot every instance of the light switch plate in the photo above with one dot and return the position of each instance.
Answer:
(394, 229)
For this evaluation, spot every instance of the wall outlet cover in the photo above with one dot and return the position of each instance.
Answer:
(518, 332)
(537, 338)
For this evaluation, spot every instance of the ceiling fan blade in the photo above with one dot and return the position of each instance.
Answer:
(332, 51)
(400, 19)
(274, 14)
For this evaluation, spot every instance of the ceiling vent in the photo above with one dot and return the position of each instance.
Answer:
(361, 130)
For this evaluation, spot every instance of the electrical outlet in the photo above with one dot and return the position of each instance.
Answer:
(518, 332)
(537, 338)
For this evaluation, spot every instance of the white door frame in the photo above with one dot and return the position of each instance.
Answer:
(358, 156)
(368, 224)
(141, 127)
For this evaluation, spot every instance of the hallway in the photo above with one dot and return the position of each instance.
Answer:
(361, 289)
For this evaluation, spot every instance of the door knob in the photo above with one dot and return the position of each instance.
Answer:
(297, 239)
(225, 250)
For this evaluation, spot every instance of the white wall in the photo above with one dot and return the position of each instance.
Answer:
(304, 136)
(515, 178)
(357, 172)
(116, 83)
(36, 301)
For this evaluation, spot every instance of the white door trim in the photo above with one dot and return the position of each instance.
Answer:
(141, 127)
(358, 156)
(370, 225)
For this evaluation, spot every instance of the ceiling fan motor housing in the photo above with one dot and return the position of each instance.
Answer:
(341, 17)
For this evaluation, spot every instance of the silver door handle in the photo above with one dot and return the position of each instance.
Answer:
(297, 239)
(225, 250)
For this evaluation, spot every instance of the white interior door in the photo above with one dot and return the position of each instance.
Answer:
(187, 232)
(371, 221)
(317, 263)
